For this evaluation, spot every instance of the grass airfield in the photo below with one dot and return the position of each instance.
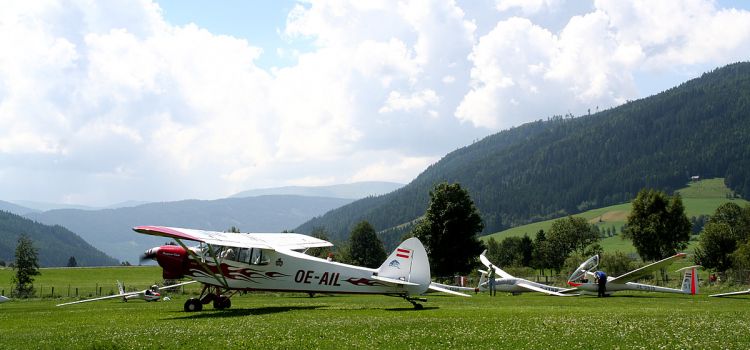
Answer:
(284, 321)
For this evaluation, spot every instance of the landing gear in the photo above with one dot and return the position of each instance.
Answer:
(414, 302)
(193, 304)
(209, 294)
(222, 302)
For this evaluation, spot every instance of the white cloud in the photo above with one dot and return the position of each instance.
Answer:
(593, 59)
(416, 101)
(112, 102)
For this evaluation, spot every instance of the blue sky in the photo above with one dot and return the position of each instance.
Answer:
(112, 101)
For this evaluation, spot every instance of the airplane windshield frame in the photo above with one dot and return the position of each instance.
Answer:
(587, 266)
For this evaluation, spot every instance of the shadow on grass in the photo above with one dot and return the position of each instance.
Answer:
(243, 312)
(410, 308)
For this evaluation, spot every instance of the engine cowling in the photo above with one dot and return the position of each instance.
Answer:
(173, 260)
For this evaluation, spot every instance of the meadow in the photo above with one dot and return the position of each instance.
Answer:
(295, 321)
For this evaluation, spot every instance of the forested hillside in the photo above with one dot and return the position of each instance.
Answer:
(55, 244)
(565, 165)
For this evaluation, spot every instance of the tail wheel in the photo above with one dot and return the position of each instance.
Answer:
(193, 304)
(222, 302)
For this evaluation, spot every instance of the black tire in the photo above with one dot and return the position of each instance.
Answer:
(418, 306)
(221, 303)
(193, 305)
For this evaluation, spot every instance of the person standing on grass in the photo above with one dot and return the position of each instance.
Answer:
(601, 280)
(491, 282)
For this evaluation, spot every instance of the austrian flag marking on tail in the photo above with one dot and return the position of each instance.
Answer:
(403, 253)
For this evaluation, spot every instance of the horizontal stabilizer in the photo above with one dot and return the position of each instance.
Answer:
(445, 290)
(393, 280)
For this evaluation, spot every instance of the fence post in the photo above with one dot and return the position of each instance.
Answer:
(100, 291)
(96, 288)
(76, 292)
(68, 290)
(53, 291)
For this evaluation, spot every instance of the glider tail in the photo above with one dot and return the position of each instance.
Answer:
(690, 280)
(121, 288)
(408, 263)
(482, 280)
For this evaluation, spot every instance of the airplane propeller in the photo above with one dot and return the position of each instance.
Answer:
(149, 255)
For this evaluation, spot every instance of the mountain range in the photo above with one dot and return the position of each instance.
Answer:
(565, 164)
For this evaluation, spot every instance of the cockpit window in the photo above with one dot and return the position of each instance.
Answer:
(589, 265)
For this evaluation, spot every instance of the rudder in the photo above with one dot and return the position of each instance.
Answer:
(409, 263)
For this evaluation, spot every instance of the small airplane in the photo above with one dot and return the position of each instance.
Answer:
(583, 277)
(226, 263)
(507, 283)
(151, 294)
(743, 292)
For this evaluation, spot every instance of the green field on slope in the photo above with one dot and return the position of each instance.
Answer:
(295, 321)
(700, 198)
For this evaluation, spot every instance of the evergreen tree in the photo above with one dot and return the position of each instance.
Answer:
(657, 225)
(449, 230)
(365, 249)
(72, 262)
(26, 266)
(539, 254)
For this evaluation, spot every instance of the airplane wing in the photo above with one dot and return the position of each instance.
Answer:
(101, 298)
(534, 288)
(647, 270)
(3, 299)
(439, 288)
(498, 271)
(730, 294)
(271, 241)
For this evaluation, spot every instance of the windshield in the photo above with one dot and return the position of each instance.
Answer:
(587, 266)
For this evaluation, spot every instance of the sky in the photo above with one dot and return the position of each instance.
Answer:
(108, 101)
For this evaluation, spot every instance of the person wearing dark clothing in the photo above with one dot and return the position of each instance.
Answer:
(601, 280)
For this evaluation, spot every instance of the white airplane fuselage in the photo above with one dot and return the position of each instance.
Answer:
(285, 270)
(593, 288)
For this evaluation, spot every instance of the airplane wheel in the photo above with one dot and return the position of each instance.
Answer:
(221, 303)
(192, 305)
(418, 306)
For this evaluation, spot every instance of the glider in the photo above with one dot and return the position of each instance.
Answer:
(507, 283)
(151, 294)
(583, 277)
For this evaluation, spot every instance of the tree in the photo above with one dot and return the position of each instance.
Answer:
(365, 249)
(540, 252)
(657, 225)
(72, 262)
(449, 230)
(570, 235)
(511, 251)
(716, 243)
(26, 266)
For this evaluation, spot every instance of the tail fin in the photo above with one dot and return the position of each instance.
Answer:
(121, 288)
(482, 280)
(690, 280)
(408, 263)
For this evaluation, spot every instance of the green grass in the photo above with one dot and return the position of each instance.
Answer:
(700, 198)
(88, 280)
(290, 321)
